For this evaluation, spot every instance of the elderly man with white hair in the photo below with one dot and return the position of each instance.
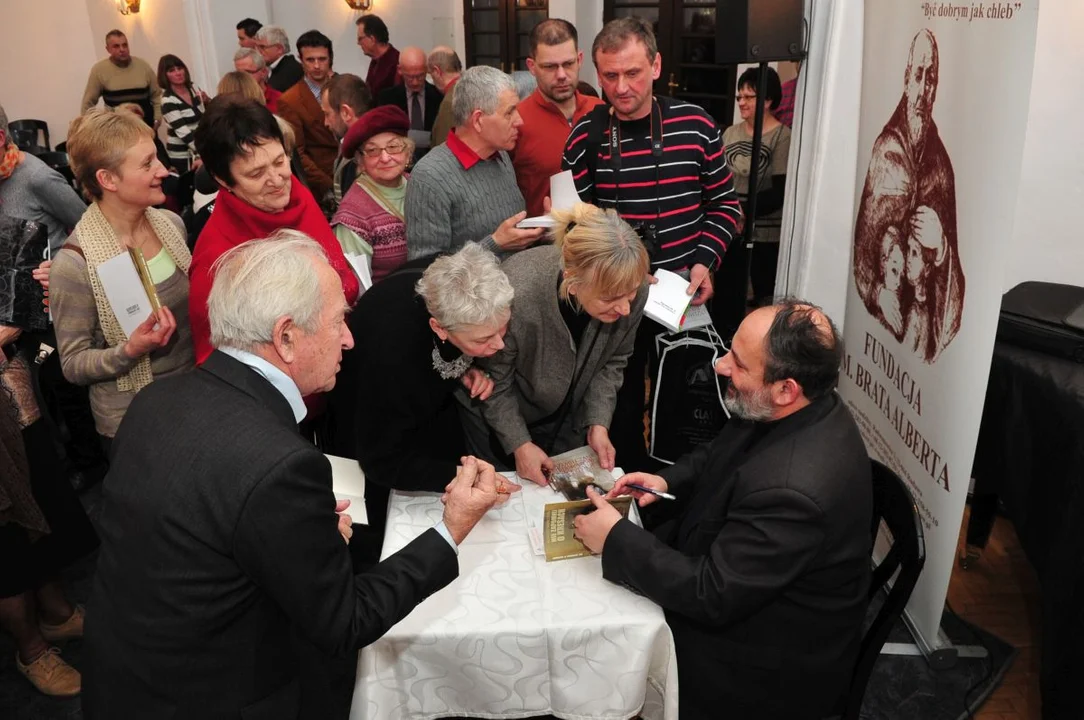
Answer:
(251, 61)
(220, 537)
(465, 190)
(274, 45)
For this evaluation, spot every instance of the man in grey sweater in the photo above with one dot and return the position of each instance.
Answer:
(465, 190)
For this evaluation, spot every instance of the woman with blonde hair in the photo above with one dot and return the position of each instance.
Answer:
(243, 84)
(114, 159)
(578, 305)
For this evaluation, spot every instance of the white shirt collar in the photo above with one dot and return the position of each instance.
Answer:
(274, 63)
(278, 379)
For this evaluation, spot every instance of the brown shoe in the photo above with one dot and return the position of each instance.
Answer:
(67, 630)
(51, 675)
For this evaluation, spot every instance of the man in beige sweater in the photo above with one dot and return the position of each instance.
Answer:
(121, 78)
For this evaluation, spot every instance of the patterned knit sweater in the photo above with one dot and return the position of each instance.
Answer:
(384, 232)
(447, 206)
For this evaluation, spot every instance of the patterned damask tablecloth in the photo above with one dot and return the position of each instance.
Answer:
(514, 636)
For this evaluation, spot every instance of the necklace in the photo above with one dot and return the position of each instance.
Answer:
(449, 369)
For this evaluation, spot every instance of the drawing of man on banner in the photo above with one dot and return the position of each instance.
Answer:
(906, 259)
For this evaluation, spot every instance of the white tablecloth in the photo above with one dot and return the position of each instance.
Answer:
(514, 636)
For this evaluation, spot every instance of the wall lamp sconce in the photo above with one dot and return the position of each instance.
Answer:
(360, 4)
(128, 6)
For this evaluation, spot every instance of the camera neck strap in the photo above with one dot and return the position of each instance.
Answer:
(613, 135)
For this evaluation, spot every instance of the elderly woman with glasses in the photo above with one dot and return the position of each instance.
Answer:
(370, 218)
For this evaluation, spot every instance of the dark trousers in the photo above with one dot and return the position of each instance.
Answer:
(627, 431)
(762, 272)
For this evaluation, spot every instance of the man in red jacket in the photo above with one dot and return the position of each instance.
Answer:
(550, 111)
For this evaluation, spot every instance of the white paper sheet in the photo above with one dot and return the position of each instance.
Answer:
(563, 196)
(348, 483)
(667, 300)
(125, 292)
(360, 264)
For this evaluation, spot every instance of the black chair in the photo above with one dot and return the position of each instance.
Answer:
(59, 161)
(893, 503)
(30, 133)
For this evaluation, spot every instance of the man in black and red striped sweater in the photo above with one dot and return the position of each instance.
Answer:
(669, 179)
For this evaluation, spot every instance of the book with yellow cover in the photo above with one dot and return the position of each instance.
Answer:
(558, 529)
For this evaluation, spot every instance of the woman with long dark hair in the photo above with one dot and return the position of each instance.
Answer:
(182, 108)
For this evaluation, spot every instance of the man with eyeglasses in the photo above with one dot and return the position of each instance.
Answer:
(550, 111)
(419, 99)
(250, 61)
(284, 71)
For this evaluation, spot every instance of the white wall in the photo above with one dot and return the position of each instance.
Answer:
(34, 83)
(1048, 235)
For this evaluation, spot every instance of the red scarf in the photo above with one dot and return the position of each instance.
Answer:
(233, 222)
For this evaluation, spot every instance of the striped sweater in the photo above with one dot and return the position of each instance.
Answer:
(135, 83)
(688, 195)
(181, 121)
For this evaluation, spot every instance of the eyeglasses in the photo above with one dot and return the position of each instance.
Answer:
(395, 147)
(750, 98)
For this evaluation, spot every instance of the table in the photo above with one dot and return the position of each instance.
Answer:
(514, 636)
(1030, 454)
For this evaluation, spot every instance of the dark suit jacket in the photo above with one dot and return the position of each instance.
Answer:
(316, 144)
(763, 576)
(219, 540)
(286, 73)
(397, 95)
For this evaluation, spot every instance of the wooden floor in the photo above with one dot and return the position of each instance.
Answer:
(1000, 594)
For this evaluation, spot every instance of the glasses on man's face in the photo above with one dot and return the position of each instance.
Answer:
(413, 77)
(746, 98)
(395, 147)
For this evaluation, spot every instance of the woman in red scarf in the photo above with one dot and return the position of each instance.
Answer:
(241, 146)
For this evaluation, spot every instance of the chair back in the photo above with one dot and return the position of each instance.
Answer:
(892, 503)
(30, 134)
(59, 161)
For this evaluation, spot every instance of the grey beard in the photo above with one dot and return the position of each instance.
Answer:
(755, 406)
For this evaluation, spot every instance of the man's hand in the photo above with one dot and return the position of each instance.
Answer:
(598, 439)
(592, 528)
(927, 229)
(478, 383)
(530, 461)
(152, 333)
(509, 237)
(700, 283)
(638, 478)
(346, 523)
(469, 497)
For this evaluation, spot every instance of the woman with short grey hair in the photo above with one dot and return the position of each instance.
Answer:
(417, 334)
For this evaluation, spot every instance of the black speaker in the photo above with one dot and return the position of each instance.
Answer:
(753, 31)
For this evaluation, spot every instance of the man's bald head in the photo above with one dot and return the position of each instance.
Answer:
(800, 343)
(920, 80)
(444, 66)
(412, 68)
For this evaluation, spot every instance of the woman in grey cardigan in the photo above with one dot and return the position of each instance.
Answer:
(577, 305)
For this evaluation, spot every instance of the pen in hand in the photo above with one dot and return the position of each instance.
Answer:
(649, 491)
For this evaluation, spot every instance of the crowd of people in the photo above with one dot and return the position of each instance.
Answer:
(339, 267)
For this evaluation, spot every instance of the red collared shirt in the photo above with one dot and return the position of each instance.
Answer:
(541, 142)
(463, 152)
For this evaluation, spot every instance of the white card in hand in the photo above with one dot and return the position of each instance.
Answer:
(563, 195)
(125, 292)
(348, 483)
(539, 221)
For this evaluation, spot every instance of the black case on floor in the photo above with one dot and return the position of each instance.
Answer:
(1047, 317)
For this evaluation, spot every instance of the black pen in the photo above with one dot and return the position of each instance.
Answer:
(649, 491)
